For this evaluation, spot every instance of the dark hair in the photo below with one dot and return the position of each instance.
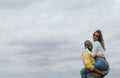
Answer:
(88, 43)
(100, 39)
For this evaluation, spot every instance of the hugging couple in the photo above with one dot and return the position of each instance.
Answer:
(93, 57)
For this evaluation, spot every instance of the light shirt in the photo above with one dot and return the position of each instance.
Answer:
(97, 49)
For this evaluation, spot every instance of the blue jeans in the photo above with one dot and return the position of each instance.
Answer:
(84, 72)
(100, 63)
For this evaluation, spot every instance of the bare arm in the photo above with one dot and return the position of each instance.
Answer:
(94, 50)
(100, 72)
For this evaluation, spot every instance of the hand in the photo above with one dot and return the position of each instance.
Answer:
(105, 72)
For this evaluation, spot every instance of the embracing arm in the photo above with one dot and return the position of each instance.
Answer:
(94, 50)
(97, 71)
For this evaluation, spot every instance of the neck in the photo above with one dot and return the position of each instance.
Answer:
(90, 49)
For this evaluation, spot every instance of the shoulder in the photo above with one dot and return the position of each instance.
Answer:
(96, 43)
(85, 52)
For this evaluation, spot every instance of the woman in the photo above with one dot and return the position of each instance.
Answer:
(98, 46)
(97, 52)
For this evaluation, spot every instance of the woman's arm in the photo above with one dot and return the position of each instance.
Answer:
(94, 50)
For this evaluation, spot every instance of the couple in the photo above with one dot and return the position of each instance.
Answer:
(96, 65)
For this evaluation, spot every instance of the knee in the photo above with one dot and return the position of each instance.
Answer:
(82, 72)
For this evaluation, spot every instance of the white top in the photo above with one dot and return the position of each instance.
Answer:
(97, 49)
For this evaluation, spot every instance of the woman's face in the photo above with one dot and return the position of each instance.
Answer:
(95, 36)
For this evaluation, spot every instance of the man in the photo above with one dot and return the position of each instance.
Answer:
(88, 62)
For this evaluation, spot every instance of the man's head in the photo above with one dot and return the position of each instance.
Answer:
(88, 44)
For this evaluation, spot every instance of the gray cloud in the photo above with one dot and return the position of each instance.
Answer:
(48, 49)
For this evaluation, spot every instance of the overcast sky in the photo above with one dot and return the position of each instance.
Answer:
(44, 38)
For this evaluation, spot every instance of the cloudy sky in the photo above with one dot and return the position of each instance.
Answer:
(44, 38)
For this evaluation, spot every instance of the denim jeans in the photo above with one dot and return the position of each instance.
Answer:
(100, 63)
(84, 72)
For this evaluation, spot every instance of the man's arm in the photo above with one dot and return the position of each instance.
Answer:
(100, 72)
